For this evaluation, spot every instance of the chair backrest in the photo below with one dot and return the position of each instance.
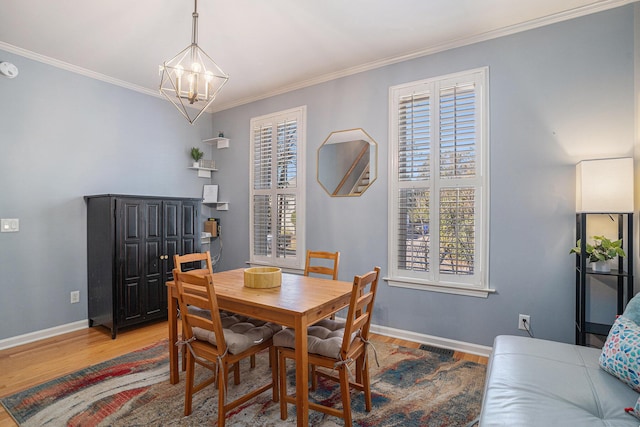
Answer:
(189, 262)
(358, 319)
(321, 269)
(198, 291)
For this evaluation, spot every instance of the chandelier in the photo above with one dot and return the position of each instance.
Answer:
(191, 80)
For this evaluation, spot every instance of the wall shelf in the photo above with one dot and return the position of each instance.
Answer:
(219, 142)
(203, 172)
(220, 206)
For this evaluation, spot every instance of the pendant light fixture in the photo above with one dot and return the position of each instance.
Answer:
(191, 80)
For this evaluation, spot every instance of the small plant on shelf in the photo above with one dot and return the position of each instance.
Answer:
(196, 155)
(601, 251)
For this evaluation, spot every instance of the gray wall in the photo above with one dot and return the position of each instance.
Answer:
(558, 94)
(63, 136)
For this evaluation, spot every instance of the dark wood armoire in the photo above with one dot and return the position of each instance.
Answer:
(131, 241)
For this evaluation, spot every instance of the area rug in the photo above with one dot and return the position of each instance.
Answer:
(411, 387)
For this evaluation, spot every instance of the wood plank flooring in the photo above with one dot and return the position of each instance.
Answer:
(32, 364)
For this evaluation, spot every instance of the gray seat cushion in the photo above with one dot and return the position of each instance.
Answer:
(240, 332)
(323, 338)
(534, 382)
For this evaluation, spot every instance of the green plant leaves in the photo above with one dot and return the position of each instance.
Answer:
(196, 153)
(603, 249)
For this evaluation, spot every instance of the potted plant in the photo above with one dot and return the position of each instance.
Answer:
(600, 252)
(196, 155)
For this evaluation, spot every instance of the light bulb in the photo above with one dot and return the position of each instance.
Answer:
(179, 71)
(208, 75)
(196, 67)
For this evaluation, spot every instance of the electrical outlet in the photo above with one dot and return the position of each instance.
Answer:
(9, 225)
(75, 297)
(524, 322)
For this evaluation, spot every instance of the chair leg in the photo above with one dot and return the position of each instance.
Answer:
(282, 370)
(236, 373)
(252, 361)
(223, 374)
(346, 395)
(314, 377)
(359, 368)
(273, 364)
(366, 385)
(188, 392)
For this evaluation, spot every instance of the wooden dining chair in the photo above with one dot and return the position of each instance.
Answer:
(315, 266)
(311, 266)
(336, 355)
(215, 347)
(193, 263)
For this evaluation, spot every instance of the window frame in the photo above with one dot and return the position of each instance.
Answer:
(300, 115)
(433, 280)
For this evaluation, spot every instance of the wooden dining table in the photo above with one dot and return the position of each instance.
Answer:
(298, 303)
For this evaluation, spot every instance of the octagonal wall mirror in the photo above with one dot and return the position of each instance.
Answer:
(347, 163)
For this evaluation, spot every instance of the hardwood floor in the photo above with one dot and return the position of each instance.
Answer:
(31, 364)
(457, 355)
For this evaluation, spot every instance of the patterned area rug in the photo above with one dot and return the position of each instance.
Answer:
(410, 388)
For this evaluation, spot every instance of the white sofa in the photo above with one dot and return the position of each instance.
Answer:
(534, 382)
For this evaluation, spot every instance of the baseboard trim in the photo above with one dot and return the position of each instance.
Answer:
(480, 350)
(45, 333)
(462, 346)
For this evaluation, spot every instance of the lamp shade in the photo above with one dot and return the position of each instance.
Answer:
(604, 186)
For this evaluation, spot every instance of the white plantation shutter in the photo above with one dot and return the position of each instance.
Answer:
(414, 144)
(458, 139)
(414, 173)
(262, 150)
(277, 220)
(438, 149)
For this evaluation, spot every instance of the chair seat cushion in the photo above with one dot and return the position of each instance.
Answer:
(323, 338)
(240, 332)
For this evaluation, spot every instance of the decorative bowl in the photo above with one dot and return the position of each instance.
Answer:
(262, 277)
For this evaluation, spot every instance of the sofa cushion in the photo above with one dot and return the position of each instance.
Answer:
(534, 382)
(632, 310)
(621, 352)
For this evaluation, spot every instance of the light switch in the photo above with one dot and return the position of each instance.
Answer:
(9, 225)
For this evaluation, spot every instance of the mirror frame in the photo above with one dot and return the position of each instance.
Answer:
(345, 136)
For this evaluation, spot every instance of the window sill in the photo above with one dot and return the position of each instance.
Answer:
(434, 287)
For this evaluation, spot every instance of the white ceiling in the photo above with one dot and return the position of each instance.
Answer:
(267, 47)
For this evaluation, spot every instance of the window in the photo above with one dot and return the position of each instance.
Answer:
(438, 185)
(277, 217)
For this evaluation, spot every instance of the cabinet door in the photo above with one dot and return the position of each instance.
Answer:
(190, 236)
(131, 249)
(172, 233)
(154, 303)
(181, 231)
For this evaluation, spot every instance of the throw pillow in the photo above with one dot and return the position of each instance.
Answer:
(632, 310)
(621, 352)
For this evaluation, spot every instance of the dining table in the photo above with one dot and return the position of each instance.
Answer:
(300, 301)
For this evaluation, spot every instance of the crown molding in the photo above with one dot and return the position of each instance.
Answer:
(75, 69)
(465, 41)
